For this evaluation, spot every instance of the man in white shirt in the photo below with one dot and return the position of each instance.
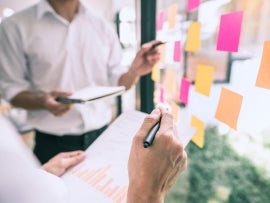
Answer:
(53, 49)
(151, 171)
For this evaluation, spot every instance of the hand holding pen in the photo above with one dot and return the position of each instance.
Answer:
(149, 138)
(161, 163)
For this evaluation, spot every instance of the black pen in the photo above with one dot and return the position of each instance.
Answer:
(148, 140)
(156, 45)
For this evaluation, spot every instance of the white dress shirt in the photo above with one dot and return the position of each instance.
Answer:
(21, 179)
(41, 51)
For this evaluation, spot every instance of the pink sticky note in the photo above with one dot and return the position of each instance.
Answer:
(160, 20)
(192, 4)
(177, 51)
(229, 31)
(184, 90)
(161, 95)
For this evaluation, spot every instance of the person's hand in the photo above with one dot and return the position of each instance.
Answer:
(56, 108)
(153, 170)
(145, 59)
(62, 161)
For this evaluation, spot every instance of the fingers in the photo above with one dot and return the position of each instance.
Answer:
(149, 121)
(73, 158)
(57, 93)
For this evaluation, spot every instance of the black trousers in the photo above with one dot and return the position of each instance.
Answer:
(48, 145)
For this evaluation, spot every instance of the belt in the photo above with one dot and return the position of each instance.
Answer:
(70, 141)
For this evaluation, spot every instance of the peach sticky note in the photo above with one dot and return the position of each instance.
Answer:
(177, 51)
(155, 76)
(198, 137)
(192, 4)
(169, 81)
(184, 90)
(229, 107)
(263, 77)
(160, 20)
(193, 42)
(172, 12)
(204, 79)
(229, 31)
(175, 110)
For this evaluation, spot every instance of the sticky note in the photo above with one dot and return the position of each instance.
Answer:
(160, 20)
(263, 77)
(162, 50)
(198, 137)
(192, 4)
(155, 76)
(184, 90)
(161, 95)
(204, 79)
(177, 51)
(229, 31)
(229, 107)
(169, 82)
(172, 12)
(193, 42)
(175, 111)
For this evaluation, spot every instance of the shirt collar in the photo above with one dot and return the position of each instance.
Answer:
(44, 7)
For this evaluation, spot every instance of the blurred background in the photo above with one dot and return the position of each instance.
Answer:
(233, 166)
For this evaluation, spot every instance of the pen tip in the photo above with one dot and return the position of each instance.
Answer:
(145, 145)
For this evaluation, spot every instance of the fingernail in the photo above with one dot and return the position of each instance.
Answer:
(156, 111)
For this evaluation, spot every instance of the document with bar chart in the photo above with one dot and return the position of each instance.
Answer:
(103, 176)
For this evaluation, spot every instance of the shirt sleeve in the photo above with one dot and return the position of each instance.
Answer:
(21, 178)
(13, 63)
(116, 68)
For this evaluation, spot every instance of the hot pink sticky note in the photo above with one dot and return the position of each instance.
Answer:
(192, 4)
(177, 51)
(229, 31)
(161, 95)
(184, 90)
(160, 20)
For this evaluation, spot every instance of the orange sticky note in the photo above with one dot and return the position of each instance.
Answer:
(172, 15)
(263, 78)
(155, 76)
(193, 42)
(204, 79)
(229, 107)
(198, 137)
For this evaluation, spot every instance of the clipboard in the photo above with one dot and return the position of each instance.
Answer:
(91, 94)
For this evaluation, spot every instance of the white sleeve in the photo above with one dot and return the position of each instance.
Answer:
(13, 62)
(21, 180)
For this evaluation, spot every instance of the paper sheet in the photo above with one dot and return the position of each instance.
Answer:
(103, 176)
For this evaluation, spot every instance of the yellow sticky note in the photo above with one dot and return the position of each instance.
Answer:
(193, 42)
(155, 76)
(198, 137)
(263, 78)
(229, 107)
(204, 79)
(172, 12)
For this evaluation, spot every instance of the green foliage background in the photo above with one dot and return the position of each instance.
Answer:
(217, 174)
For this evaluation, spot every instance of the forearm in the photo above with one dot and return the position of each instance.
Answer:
(128, 79)
(142, 196)
(28, 100)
